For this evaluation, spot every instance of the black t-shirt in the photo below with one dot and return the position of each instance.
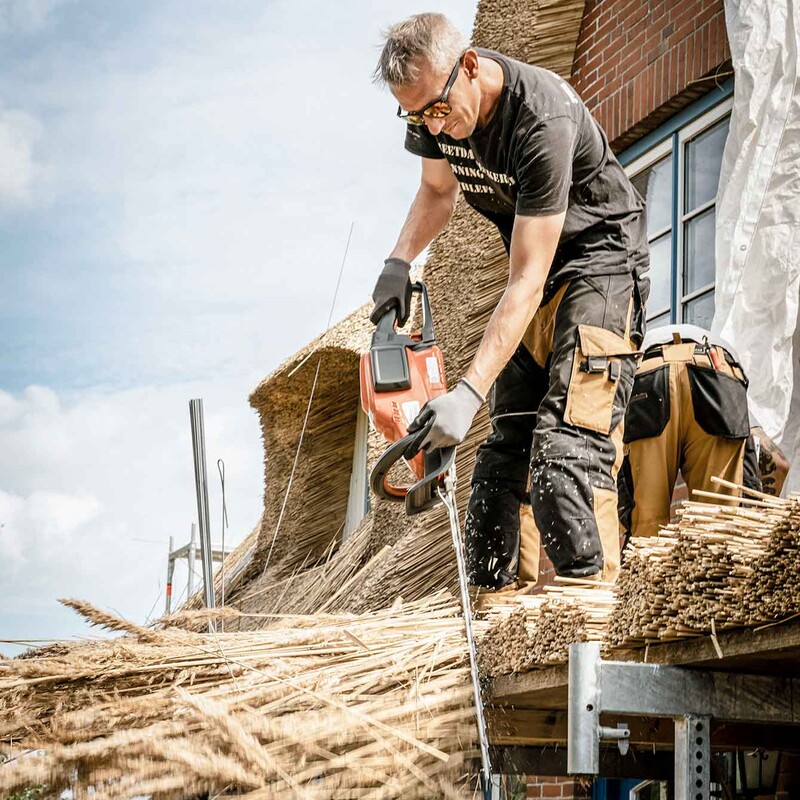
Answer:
(542, 153)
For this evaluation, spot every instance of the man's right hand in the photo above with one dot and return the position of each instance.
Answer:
(393, 290)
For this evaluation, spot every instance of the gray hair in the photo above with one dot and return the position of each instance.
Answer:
(429, 37)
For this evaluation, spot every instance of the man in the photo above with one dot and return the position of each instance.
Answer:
(688, 411)
(559, 351)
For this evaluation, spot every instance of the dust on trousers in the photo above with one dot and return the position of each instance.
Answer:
(556, 411)
(684, 414)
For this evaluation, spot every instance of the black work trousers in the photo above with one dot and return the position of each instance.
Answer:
(555, 447)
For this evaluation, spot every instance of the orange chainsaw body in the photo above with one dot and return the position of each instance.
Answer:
(398, 375)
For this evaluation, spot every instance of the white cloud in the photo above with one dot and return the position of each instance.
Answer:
(27, 16)
(206, 167)
(19, 171)
(42, 525)
(224, 162)
(93, 486)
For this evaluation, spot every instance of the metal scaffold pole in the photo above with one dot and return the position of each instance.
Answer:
(201, 484)
(170, 573)
(192, 560)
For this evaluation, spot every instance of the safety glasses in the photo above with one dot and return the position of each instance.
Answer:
(438, 108)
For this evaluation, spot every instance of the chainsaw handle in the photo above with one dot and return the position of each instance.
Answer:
(386, 324)
(386, 327)
(428, 336)
(423, 494)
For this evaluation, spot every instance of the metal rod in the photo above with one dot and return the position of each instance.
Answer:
(192, 559)
(449, 499)
(170, 571)
(201, 484)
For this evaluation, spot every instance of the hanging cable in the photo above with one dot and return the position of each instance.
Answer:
(308, 407)
(221, 470)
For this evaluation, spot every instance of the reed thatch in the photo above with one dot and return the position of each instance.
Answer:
(310, 520)
(532, 631)
(718, 567)
(298, 563)
(345, 706)
(373, 705)
(542, 32)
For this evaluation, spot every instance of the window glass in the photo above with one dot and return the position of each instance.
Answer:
(659, 321)
(654, 184)
(699, 246)
(660, 274)
(682, 270)
(700, 310)
(703, 162)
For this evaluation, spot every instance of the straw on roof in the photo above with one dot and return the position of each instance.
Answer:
(376, 706)
(542, 32)
(729, 563)
(390, 555)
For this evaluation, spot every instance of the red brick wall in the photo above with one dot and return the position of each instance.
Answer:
(556, 788)
(637, 61)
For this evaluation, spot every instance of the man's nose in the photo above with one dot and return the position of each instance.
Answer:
(435, 124)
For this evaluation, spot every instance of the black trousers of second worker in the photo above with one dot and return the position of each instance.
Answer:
(555, 448)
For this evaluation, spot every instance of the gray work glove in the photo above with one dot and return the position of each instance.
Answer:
(449, 416)
(393, 289)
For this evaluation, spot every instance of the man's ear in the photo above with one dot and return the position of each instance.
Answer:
(470, 61)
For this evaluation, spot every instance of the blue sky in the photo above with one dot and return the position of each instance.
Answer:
(177, 181)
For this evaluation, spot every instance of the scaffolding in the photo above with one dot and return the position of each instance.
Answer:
(191, 552)
(671, 712)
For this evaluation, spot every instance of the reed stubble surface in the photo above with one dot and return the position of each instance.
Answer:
(330, 706)
(724, 564)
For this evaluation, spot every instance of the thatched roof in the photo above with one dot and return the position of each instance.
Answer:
(299, 563)
(542, 32)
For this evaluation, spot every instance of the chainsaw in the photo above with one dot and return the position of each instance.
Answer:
(399, 374)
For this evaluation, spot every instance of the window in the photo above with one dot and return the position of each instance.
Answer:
(676, 169)
(649, 790)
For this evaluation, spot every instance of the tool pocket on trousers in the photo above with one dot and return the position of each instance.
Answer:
(648, 409)
(597, 369)
(719, 402)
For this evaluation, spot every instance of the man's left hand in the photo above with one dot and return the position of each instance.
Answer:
(449, 416)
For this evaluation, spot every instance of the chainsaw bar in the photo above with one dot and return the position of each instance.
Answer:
(448, 496)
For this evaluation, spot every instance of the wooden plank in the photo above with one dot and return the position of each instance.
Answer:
(528, 727)
(773, 650)
(545, 688)
(532, 727)
(642, 765)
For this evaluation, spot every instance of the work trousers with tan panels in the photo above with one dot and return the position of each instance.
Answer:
(688, 412)
(550, 463)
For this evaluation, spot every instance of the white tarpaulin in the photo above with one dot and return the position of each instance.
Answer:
(758, 215)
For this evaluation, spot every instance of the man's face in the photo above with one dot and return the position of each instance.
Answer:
(464, 97)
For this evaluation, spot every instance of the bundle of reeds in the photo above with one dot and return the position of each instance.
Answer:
(532, 631)
(719, 566)
(543, 32)
(309, 451)
(332, 706)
